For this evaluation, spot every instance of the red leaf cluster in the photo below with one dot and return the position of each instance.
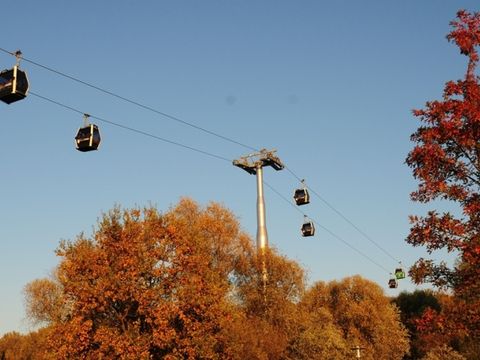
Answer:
(446, 162)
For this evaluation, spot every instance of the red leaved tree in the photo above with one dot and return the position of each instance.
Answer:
(446, 162)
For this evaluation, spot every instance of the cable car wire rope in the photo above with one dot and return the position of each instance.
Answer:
(136, 103)
(186, 123)
(133, 102)
(345, 218)
(208, 154)
(328, 230)
(141, 132)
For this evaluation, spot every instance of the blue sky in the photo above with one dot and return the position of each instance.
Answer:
(330, 85)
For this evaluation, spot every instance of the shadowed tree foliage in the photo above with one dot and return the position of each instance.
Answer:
(435, 328)
(446, 162)
(443, 352)
(412, 306)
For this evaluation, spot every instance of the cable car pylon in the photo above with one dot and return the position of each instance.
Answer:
(254, 164)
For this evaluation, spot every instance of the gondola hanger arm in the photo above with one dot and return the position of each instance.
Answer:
(18, 55)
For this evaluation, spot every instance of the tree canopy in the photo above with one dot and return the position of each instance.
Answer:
(188, 284)
(363, 315)
(145, 284)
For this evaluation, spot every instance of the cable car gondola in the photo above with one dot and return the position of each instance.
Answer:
(399, 273)
(88, 136)
(301, 196)
(308, 229)
(13, 83)
(392, 283)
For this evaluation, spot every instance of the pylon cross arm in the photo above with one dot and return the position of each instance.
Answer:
(242, 164)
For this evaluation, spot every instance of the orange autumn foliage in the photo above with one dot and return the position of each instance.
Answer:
(173, 285)
(187, 284)
(145, 284)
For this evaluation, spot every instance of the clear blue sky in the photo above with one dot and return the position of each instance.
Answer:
(329, 84)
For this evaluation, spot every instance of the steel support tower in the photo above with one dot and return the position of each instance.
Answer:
(254, 164)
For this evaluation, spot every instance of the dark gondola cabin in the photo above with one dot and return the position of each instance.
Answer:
(13, 85)
(392, 283)
(301, 197)
(308, 229)
(399, 273)
(88, 138)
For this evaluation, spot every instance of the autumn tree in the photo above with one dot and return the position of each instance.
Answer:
(10, 345)
(144, 285)
(351, 312)
(185, 284)
(446, 162)
(443, 352)
(267, 320)
(444, 326)
(412, 307)
(318, 336)
(31, 346)
(45, 301)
